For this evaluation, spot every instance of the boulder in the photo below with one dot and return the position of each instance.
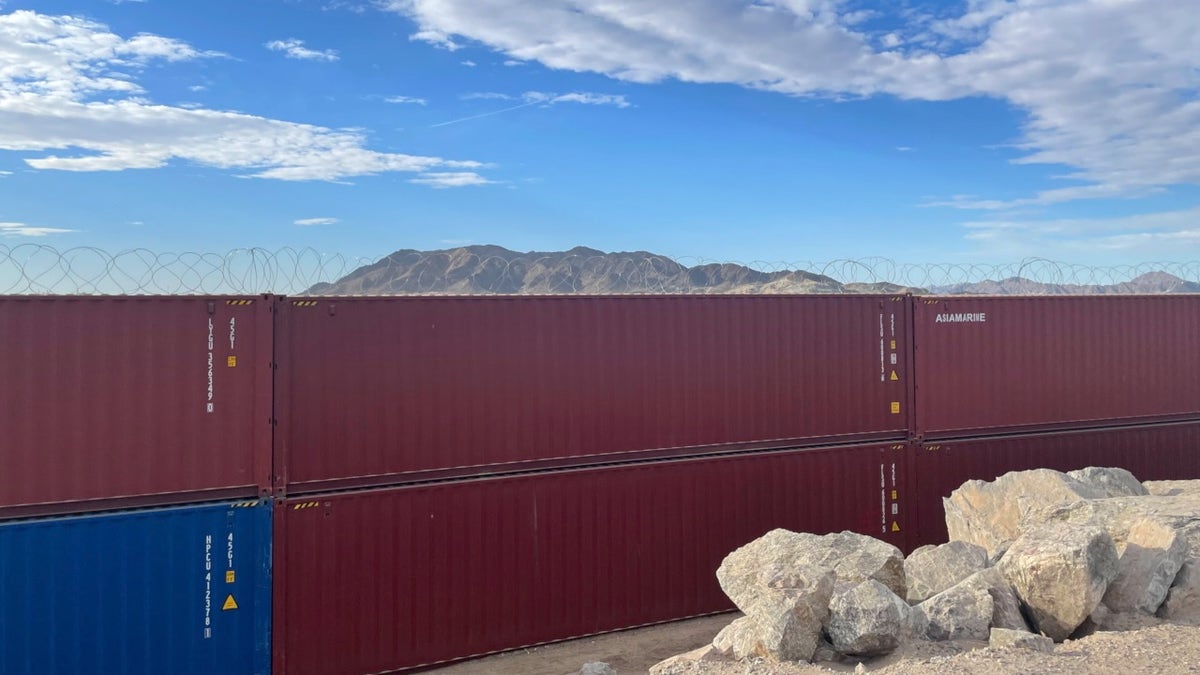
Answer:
(959, 613)
(1111, 481)
(1179, 511)
(852, 557)
(867, 619)
(1183, 598)
(784, 596)
(826, 653)
(930, 570)
(788, 621)
(1060, 573)
(1006, 607)
(738, 640)
(1172, 488)
(991, 514)
(1002, 638)
(1153, 555)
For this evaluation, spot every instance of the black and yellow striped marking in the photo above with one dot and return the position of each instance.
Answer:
(304, 303)
(305, 505)
(245, 505)
(239, 303)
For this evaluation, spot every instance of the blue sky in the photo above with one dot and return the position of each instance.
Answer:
(771, 130)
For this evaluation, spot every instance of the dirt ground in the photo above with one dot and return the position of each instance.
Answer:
(1164, 648)
(630, 651)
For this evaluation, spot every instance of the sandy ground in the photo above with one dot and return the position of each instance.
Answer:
(1164, 648)
(630, 651)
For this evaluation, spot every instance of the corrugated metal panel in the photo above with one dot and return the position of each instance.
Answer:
(1054, 362)
(382, 390)
(1153, 452)
(132, 592)
(396, 578)
(105, 401)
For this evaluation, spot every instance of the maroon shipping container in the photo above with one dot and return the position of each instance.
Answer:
(396, 578)
(1152, 452)
(108, 401)
(375, 391)
(1037, 363)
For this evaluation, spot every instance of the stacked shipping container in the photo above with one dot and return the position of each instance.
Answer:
(109, 406)
(385, 391)
(1011, 383)
(599, 455)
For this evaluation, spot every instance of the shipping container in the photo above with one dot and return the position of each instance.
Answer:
(166, 590)
(395, 578)
(994, 365)
(375, 391)
(937, 468)
(122, 401)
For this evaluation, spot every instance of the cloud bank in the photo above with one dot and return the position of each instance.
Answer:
(68, 88)
(1108, 87)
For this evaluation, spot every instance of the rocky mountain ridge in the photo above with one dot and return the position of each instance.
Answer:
(487, 269)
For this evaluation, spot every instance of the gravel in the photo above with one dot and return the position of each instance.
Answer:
(1165, 648)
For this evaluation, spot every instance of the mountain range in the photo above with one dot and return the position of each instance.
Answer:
(486, 269)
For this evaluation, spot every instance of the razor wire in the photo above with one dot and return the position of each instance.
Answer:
(37, 269)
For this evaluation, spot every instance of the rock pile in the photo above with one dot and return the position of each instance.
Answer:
(1034, 558)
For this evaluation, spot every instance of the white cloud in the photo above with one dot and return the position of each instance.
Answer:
(6, 173)
(487, 95)
(23, 230)
(542, 98)
(585, 98)
(468, 63)
(308, 222)
(295, 49)
(405, 99)
(1164, 233)
(334, 5)
(197, 87)
(1108, 87)
(903, 148)
(68, 87)
(449, 179)
(512, 62)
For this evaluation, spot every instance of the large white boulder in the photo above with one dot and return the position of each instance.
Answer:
(868, 619)
(1060, 572)
(1154, 553)
(959, 613)
(853, 557)
(930, 570)
(1111, 481)
(990, 514)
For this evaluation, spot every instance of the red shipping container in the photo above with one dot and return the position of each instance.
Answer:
(375, 391)
(1152, 452)
(397, 578)
(117, 401)
(986, 365)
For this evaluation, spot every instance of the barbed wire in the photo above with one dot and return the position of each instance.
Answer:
(37, 269)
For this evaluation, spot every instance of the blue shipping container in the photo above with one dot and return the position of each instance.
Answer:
(174, 590)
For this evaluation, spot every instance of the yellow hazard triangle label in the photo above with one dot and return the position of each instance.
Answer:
(894, 377)
(895, 528)
(230, 603)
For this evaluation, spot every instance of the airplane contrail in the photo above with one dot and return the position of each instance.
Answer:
(486, 114)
